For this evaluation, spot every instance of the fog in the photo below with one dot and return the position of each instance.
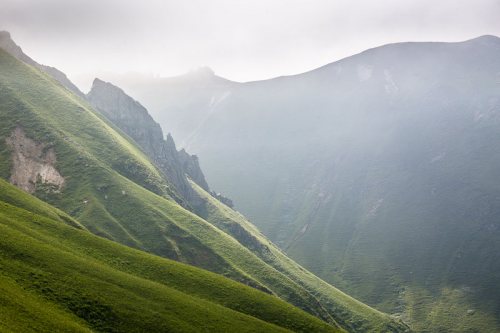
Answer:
(240, 40)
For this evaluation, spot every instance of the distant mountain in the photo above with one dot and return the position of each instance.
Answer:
(182, 103)
(87, 163)
(378, 172)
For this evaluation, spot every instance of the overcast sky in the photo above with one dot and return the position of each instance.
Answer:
(239, 39)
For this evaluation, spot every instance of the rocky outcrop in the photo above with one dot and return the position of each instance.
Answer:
(11, 47)
(33, 164)
(129, 115)
(191, 167)
(133, 119)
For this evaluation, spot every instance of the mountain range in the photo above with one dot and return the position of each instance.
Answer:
(377, 172)
(106, 226)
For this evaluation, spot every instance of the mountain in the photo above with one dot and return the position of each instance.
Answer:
(108, 99)
(54, 145)
(11, 47)
(182, 103)
(134, 120)
(378, 172)
(57, 276)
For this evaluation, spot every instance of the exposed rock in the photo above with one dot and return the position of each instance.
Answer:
(33, 164)
(191, 167)
(133, 119)
(11, 47)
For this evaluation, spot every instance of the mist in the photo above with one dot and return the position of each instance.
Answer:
(240, 40)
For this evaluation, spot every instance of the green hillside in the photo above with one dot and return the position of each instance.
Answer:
(348, 312)
(57, 277)
(379, 173)
(111, 189)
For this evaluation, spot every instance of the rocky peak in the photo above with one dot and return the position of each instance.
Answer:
(191, 166)
(133, 119)
(170, 142)
(128, 114)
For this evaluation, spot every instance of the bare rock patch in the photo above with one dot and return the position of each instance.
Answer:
(32, 163)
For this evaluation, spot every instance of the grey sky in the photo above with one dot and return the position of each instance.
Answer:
(240, 39)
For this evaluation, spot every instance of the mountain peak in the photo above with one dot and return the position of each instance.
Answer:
(4, 34)
(200, 73)
(101, 84)
(103, 87)
(8, 44)
(486, 39)
(98, 81)
(170, 141)
(203, 70)
(106, 92)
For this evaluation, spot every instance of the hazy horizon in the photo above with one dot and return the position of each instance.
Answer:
(87, 39)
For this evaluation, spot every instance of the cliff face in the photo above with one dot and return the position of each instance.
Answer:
(133, 119)
(11, 47)
(191, 167)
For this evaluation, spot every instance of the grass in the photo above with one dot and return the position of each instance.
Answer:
(56, 277)
(350, 313)
(451, 310)
(113, 191)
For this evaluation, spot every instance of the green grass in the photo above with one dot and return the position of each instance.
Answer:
(347, 311)
(113, 191)
(56, 277)
(451, 310)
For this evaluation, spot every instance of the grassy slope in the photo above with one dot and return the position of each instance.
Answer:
(422, 227)
(449, 311)
(56, 277)
(445, 279)
(101, 167)
(126, 198)
(349, 312)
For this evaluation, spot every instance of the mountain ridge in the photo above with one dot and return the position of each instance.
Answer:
(375, 172)
(115, 191)
(8, 44)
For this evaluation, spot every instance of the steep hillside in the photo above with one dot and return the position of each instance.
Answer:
(378, 172)
(11, 47)
(57, 277)
(56, 146)
(135, 121)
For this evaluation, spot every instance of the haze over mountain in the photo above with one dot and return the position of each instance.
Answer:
(378, 172)
(116, 197)
(241, 40)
